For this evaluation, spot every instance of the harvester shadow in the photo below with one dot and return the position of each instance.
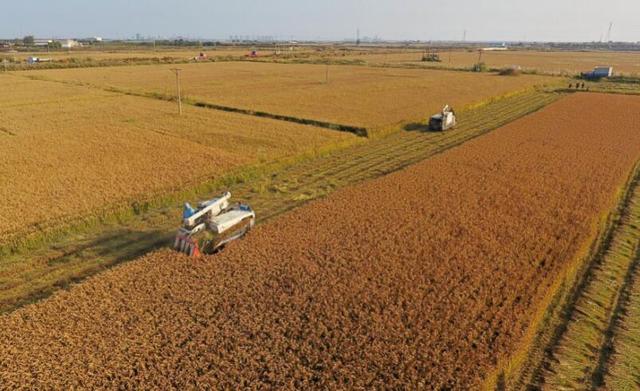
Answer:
(417, 127)
(92, 256)
(116, 247)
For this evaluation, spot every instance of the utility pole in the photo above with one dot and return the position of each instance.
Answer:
(326, 76)
(177, 72)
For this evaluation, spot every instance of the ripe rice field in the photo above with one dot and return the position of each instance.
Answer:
(93, 150)
(426, 284)
(271, 193)
(551, 62)
(367, 97)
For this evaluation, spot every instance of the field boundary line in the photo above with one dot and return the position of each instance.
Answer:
(524, 367)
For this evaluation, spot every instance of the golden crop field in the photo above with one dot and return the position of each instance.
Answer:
(354, 95)
(91, 149)
(555, 62)
(422, 279)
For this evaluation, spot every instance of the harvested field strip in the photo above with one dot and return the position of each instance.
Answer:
(73, 256)
(576, 359)
(420, 279)
(622, 369)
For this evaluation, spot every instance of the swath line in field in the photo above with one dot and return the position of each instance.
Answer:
(573, 346)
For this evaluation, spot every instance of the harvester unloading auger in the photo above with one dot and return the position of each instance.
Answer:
(212, 225)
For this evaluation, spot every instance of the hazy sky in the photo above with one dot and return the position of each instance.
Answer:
(548, 20)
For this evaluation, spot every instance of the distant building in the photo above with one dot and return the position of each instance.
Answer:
(69, 43)
(602, 71)
(41, 42)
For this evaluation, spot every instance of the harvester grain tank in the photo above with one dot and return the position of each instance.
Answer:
(444, 120)
(214, 223)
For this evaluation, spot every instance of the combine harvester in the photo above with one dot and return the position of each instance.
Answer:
(207, 229)
(444, 120)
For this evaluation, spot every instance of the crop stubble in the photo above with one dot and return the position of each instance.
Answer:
(423, 277)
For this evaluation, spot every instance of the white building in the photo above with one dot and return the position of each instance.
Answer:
(69, 43)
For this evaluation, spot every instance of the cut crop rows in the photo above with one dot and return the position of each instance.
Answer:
(577, 361)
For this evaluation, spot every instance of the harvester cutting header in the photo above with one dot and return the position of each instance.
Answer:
(213, 224)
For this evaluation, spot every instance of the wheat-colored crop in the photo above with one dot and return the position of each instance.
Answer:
(420, 279)
(68, 150)
(353, 95)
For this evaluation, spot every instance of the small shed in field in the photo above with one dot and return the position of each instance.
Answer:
(602, 71)
(599, 72)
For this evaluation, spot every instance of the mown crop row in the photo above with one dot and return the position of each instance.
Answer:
(422, 278)
(578, 356)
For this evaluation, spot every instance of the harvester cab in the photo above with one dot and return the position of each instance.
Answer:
(443, 120)
(214, 223)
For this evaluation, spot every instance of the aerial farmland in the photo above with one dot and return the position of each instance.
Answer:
(262, 212)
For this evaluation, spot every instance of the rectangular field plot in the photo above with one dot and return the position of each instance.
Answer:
(355, 96)
(91, 149)
(424, 278)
